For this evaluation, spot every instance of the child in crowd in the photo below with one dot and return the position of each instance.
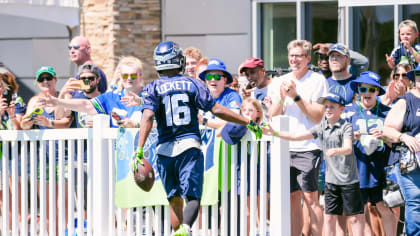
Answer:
(232, 134)
(407, 51)
(342, 189)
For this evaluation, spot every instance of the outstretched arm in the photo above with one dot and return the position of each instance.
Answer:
(268, 130)
(79, 105)
(226, 114)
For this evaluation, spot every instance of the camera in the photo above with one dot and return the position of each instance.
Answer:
(392, 195)
(8, 95)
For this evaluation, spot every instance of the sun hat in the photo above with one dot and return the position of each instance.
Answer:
(216, 64)
(367, 77)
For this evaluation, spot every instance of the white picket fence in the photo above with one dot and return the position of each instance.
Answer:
(102, 217)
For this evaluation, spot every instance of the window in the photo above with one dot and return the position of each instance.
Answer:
(373, 36)
(278, 27)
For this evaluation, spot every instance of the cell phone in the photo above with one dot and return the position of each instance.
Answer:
(83, 85)
(8, 95)
(36, 112)
(116, 116)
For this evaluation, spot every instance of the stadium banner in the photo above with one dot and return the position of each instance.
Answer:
(129, 195)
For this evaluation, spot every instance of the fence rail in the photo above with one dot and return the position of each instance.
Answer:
(84, 186)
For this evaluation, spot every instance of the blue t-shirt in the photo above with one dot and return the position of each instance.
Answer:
(20, 106)
(175, 102)
(371, 167)
(111, 102)
(230, 99)
(342, 88)
(399, 52)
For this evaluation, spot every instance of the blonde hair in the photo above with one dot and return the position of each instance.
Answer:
(408, 23)
(193, 52)
(256, 104)
(126, 61)
(304, 44)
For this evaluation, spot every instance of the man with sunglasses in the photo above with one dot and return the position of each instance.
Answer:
(90, 77)
(79, 52)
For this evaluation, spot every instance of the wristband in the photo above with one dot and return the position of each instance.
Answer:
(297, 98)
(415, 53)
(275, 134)
(281, 101)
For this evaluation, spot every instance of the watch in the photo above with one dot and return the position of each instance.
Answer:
(297, 98)
(204, 121)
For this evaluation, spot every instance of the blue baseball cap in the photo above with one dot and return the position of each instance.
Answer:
(412, 73)
(232, 133)
(367, 77)
(332, 97)
(216, 64)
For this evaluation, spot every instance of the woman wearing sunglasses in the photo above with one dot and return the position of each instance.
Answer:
(399, 85)
(402, 128)
(38, 116)
(217, 78)
(367, 116)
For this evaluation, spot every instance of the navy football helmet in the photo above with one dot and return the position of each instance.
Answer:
(168, 55)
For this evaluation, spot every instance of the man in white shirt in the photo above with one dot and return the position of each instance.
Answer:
(297, 99)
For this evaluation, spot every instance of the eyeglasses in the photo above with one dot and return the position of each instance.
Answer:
(298, 56)
(76, 47)
(235, 86)
(366, 89)
(323, 57)
(88, 78)
(131, 76)
(396, 75)
(45, 77)
(216, 77)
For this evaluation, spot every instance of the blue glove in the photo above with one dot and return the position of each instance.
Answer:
(255, 128)
(138, 156)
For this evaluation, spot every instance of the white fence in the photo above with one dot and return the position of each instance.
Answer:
(23, 175)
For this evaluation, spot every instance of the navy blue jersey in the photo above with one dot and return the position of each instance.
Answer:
(111, 102)
(399, 52)
(371, 167)
(342, 88)
(175, 102)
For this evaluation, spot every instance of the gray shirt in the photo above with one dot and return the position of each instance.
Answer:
(340, 169)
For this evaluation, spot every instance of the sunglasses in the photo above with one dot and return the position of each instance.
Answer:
(366, 89)
(45, 77)
(396, 76)
(131, 76)
(216, 77)
(337, 47)
(322, 57)
(88, 78)
(76, 47)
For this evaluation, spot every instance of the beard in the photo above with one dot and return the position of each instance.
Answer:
(91, 89)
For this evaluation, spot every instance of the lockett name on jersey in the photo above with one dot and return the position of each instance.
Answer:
(173, 85)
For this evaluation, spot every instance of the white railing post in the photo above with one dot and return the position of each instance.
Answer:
(280, 182)
(100, 178)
